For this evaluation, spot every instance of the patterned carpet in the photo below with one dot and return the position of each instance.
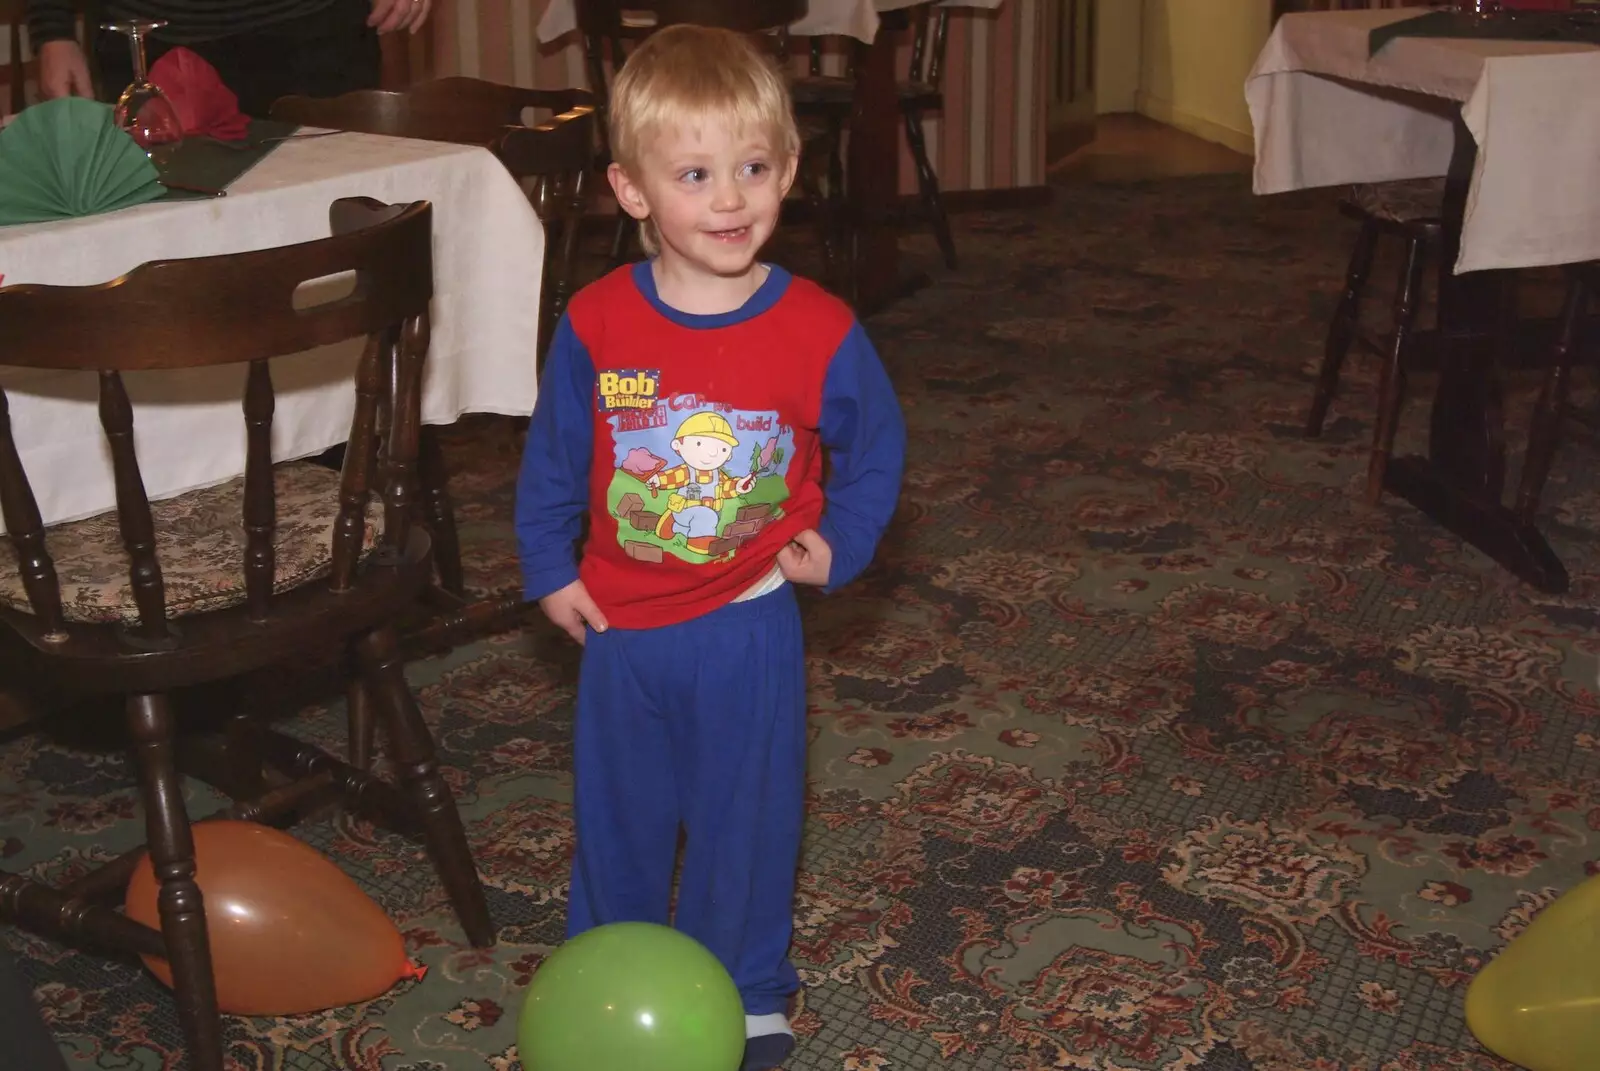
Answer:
(1143, 746)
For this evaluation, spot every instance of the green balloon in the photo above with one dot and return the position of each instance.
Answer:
(631, 996)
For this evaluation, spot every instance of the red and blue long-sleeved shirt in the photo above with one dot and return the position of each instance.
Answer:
(695, 444)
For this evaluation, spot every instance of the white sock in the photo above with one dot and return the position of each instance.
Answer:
(756, 1026)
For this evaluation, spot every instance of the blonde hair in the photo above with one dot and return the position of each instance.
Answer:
(689, 75)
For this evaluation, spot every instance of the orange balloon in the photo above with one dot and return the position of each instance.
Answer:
(290, 932)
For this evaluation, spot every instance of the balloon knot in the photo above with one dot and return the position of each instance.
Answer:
(414, 970)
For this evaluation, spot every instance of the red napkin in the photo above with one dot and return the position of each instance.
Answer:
(205, 106)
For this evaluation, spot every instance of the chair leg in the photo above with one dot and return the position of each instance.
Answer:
(358, 715)
(183, 920)
(928, 183)
(1343, 328)
(411, 748)
(1544, 436)
(1392, 382)
(440, 512)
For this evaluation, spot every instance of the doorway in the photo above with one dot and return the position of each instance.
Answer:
(1069, 76)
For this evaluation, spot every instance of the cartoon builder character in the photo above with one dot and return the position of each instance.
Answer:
(699, 486)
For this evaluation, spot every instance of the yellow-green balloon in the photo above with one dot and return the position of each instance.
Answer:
(631, 996)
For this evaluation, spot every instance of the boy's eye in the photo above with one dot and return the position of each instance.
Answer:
(694, 174)
(756, 168)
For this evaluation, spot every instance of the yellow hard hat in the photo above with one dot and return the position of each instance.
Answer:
(707, 426)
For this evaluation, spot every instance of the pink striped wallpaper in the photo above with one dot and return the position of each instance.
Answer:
(990, 137)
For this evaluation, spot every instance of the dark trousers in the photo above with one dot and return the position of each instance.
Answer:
(323, 55)
(23, 1035)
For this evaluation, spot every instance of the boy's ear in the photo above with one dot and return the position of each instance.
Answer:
(629, 196)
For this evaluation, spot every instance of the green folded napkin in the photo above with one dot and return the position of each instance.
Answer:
(66, 158)
(1506, 26)
(207, 164)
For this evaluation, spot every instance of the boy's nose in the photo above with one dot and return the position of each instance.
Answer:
(727, 197)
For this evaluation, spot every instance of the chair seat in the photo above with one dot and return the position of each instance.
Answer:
(1408, 201)
(200, 540)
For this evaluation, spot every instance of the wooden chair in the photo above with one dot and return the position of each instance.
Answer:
(554, 156)
(1281, 8)
(1410, 212)
(921, 92)
(256, 576)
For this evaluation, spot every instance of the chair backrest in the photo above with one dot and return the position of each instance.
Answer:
(466, 111)
(235, 309)
(552, 159)
(611, 28)
(1284, 7)
(930, 37)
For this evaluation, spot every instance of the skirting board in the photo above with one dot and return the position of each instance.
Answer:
(1163, 111)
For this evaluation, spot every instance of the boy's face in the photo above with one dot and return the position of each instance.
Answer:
(713, 193)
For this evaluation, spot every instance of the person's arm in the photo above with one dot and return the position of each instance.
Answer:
(865, 436)
(553, 488)
(53, 36)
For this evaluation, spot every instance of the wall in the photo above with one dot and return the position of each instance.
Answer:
(1118, 55)
(1194, 57)
(991, 135)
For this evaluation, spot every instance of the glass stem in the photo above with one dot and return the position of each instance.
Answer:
(136, 47)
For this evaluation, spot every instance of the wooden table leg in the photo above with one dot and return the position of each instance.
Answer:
(1461, 481)
(873, 185)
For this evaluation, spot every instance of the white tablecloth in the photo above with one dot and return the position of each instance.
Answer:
(1325, 113)
(855, 18)
(189, 429)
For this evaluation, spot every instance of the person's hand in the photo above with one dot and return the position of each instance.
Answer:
(391, 15)
(806, 559)
(746, 484)
(63, 72)
(571, 608)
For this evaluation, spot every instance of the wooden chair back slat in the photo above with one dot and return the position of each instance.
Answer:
(150, 319)
(83, 328)
(360, 463)
(461, 110)
(400, 500)
(930, 38)
(133, 508)
(26, 527)
(260, 494)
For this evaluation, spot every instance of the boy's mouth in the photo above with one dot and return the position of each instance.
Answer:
(733, 234)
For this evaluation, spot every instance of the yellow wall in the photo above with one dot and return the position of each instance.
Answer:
(1118, 60)
(1194, 56)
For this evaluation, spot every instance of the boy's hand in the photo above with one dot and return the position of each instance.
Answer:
(807, 559)
(571, 608)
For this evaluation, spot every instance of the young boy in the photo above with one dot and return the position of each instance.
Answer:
(685, 404)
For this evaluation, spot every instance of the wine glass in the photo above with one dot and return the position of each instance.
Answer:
(143, 110)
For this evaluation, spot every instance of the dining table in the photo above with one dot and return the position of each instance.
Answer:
(873, 164)
(1513, 126)
(488, 248)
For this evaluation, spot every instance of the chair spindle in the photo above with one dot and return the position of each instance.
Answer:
(133, 508)
(359, 461)
(260, 494)
(26, 527)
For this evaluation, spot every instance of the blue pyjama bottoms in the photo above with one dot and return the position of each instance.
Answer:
(699, 725)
